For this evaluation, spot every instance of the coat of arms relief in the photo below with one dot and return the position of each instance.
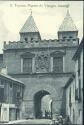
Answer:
(42, 62)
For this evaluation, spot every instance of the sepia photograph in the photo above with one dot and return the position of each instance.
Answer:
(41, 62)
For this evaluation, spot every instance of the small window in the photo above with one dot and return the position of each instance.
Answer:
(31, 39)
(79, 65)
(36, 41)
(10, 85)
(64, 37)
(1, 94)
(70, 37)
(18, 94)
(79, 89)
(26, 39)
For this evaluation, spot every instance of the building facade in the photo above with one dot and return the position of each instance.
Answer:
(1, 61)
(11, 95)
(44, 66)
(74, 89)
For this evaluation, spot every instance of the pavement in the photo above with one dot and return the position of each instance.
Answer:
(32, 122)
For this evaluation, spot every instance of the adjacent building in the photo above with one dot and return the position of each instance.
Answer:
(74, 89)
(11, 96)
(1, 61)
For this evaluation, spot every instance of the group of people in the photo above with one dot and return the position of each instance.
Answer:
(47, 114)
(62, 121)
(59, 120)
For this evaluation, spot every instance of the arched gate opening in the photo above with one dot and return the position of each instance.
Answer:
(38, 103)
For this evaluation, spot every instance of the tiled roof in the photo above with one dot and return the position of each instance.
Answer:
(29, 25)
(68, 24)
(10, 78)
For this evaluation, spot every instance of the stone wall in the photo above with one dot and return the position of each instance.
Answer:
(42, 43)
(67, 35)
(69, 64)
(12, 58)
(30, 37)
(52, 84)
(37, 81)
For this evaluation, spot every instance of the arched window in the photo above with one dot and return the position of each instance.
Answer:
(26, 62)
(27, 65)
(57, 61)
(58, 64)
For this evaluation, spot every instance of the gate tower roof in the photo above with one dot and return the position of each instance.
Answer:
(29, 26)
(67, 24)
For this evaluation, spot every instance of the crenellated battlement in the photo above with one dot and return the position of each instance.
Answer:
(42, 43)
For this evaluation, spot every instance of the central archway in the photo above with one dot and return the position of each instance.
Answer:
(37, 102)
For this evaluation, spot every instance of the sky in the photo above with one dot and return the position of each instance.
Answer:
(48, 16)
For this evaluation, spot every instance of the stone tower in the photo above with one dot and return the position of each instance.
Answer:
(29, 31)
(67, 30)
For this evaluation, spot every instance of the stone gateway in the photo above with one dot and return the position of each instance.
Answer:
(44, 66)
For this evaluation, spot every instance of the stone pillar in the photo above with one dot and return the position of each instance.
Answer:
(33, 64)
(51, 64)
(63, 63)
(21, 65)
(27, 109)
